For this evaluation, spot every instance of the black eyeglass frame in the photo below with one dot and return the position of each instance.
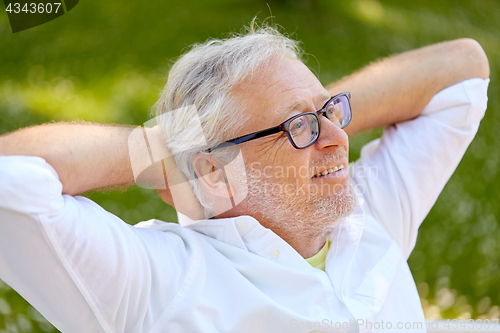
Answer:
(284, 127)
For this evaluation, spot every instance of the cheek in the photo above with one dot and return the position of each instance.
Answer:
(291, 167)
(279, 163)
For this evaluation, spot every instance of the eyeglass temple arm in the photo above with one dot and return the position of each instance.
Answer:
(246, 138)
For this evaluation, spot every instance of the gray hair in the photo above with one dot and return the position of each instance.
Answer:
(205, 77)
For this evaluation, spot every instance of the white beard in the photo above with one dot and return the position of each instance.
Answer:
(294, 211)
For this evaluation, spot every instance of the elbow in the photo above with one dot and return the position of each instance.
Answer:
(473, 58)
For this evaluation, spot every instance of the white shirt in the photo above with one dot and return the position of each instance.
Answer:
(85, 270)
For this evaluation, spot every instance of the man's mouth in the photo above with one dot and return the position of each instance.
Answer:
(329, 171)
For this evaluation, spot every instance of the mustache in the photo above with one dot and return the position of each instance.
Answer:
(263, 172)
(336, 156)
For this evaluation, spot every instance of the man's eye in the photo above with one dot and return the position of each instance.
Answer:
(331, 109)
(298, 125)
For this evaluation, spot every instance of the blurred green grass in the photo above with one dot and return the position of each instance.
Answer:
(107, 61)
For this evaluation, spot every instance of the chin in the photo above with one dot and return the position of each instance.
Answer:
(301, 213)
(337, 205)
(329, 188)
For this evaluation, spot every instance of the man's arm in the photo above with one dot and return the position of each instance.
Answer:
(85, 156)
(89, 156)
(401, 175)
(399, 87)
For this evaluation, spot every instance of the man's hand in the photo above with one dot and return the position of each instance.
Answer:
(399, 87)
(162, 173)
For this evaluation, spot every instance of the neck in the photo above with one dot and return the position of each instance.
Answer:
(306, 233)
(307, 245)
(307, 241)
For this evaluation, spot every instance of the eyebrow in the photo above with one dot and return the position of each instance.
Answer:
(294, 105)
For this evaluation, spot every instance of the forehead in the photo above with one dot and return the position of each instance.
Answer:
(279, 90)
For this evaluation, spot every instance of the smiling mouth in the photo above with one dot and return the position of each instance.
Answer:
(329, 171)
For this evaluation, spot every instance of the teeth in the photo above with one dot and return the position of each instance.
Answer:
(326, 172)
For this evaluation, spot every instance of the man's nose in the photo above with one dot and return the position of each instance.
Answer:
(331, 135)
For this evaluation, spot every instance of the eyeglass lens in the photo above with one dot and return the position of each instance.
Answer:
(305, 129)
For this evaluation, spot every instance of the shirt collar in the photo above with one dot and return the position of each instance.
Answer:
(345, 239)
(229, 230)
(245, 232)
(242, 231)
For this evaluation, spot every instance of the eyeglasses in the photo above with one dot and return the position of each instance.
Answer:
(302, 129)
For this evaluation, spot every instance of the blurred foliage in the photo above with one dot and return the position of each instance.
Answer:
(105, 61)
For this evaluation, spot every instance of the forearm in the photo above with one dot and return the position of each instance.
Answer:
(85, 156)
(398, 88)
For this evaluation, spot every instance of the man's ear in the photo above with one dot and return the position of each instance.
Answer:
(211, 174)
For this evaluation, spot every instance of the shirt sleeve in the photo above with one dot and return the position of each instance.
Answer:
(82, 268)
(401, 175)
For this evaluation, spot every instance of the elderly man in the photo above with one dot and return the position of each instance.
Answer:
(287, 240)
